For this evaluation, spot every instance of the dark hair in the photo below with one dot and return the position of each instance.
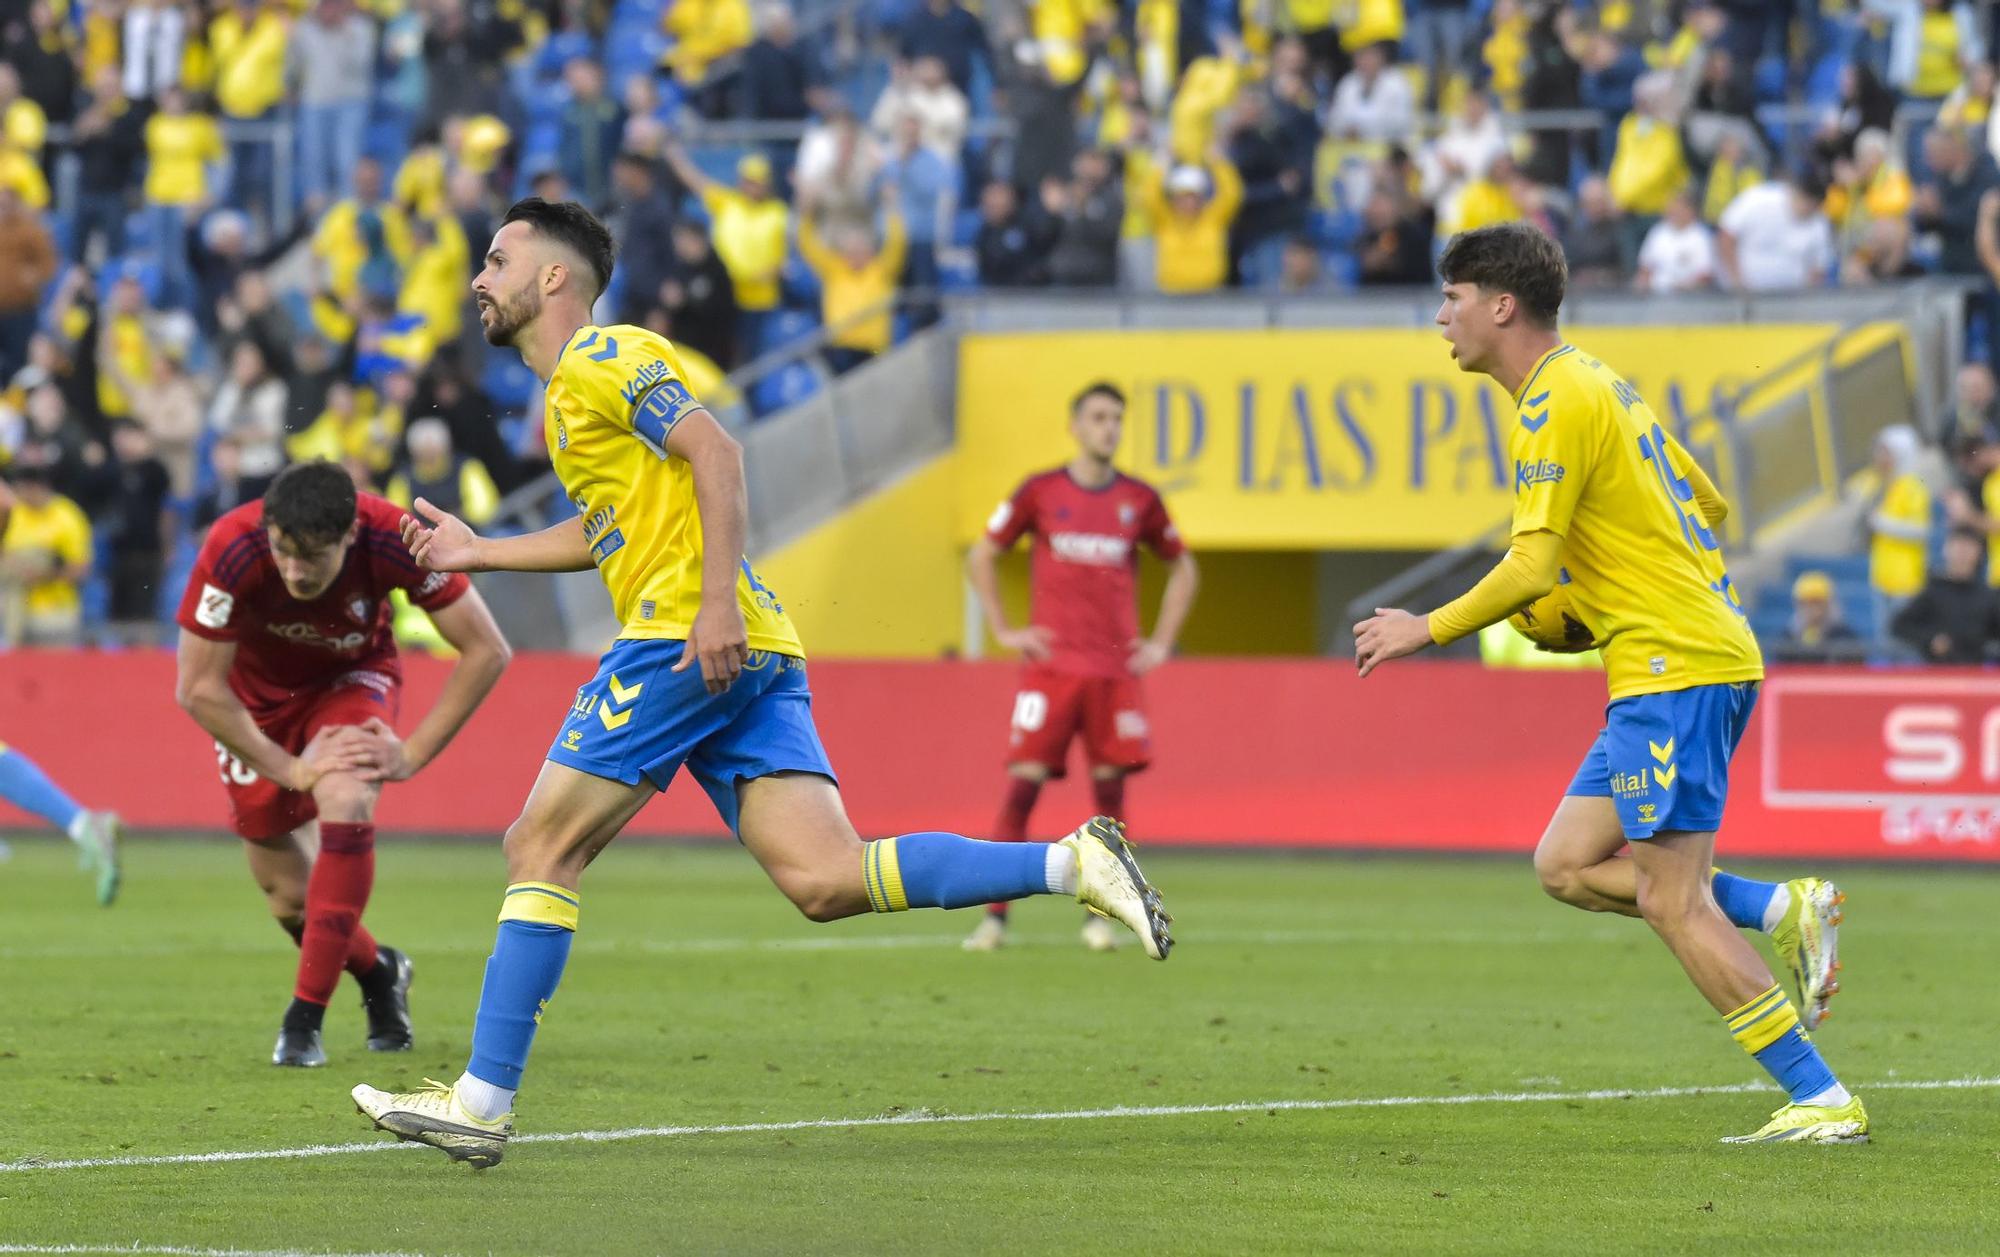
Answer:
(311, 502)
(1102, 388)
(1967, 532)
(572, 226)
(1513, 258)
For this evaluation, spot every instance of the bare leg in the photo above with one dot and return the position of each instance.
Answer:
(281, 867)
(1577, 859)
(1674, 879)
(797, 827)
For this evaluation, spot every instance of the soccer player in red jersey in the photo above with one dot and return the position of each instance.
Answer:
(288, 661)
(1082, 649)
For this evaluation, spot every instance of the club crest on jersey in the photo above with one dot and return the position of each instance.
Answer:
(1127, 514)
(360, 610)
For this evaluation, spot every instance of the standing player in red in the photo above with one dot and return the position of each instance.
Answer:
(287, 660)
(1084, 655)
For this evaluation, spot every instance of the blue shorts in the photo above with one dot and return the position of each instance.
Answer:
(1664, 758)
(638, 719)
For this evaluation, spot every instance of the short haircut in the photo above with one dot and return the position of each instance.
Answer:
(1101, 388)
(311, 502)
(572, 226)
(1513, 258)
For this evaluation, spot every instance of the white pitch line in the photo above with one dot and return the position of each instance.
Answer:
(170, 1250)
(885, 942)
(922, 1118)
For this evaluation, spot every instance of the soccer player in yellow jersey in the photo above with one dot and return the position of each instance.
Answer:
(1605, 500)
(706, 672)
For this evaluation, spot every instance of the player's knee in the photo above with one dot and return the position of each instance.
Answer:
(344, 798)
(538, 852)
(1560, 878)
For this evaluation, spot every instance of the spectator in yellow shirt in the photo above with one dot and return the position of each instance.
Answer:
(857, 284)
(704, 31)
(22, 122)
(1900, 525)
(1648, 166)
(751, 229)
(22, 174)
(44, 559)
(181, 150)
(1731, 171)
(437, 276)
(342, 245)
(1193, 208)
(1869, 203)
(247, 42)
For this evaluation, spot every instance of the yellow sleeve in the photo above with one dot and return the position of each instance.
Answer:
(1909, 500)
(1553, 456)
(73, 538)
(1714, 507)
(1228, 190)
(633, 378)
(811, 247)
(477, 492)
(1528, 570)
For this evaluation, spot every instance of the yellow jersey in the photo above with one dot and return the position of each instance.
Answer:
(1593, 466)
(59, 530)
(1989, 501)
(616, 394)
(1897, 566)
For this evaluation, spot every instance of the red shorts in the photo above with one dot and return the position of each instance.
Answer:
(1053, 707)
(261, 810)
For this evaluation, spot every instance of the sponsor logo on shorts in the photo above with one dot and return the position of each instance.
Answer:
(214, 609)
(1630, 785)
(432, 583)
(572, 740)
(1131, 725)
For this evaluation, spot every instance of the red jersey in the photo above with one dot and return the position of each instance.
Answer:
(1085, 569)
(286, 647)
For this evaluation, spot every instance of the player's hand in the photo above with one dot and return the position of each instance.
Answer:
(1389, 634)
(1033, 643)
(390, 758)
(446, 544)
(719, 641)
(1147, 655)
(332, 750)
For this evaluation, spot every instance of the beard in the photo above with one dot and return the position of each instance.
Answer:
(510, 316)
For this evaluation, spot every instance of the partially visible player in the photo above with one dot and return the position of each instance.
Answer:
(288, 661)
(26, 786)
(706, 672)
(1604, 497)
(1082, 652)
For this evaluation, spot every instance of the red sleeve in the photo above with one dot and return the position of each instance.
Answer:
(382, 532)
(1158, 532)
(224, 569)
(1013, 517)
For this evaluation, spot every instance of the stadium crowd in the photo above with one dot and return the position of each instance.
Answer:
(235, 233)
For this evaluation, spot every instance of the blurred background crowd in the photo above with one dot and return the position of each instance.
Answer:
(239, 232)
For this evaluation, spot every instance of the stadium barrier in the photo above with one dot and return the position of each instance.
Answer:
(1427, 756)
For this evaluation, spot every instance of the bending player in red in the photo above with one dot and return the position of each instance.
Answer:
(1082, 650)
(287, 660)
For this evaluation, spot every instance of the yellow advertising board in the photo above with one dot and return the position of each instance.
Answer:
(1319, 439)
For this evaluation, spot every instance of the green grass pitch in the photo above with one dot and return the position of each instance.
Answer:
(697, 999)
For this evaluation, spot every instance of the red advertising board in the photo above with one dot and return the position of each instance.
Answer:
(1300, 753)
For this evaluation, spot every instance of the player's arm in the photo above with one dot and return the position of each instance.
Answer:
(1010, 521)
(718, 640)
(1563, 443)
(201, 687)
(1176, 600)
(447, 544)
(482, 656)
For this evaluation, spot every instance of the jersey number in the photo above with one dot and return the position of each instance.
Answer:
(1680, 496)
(1031, 710)
(233, 769)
